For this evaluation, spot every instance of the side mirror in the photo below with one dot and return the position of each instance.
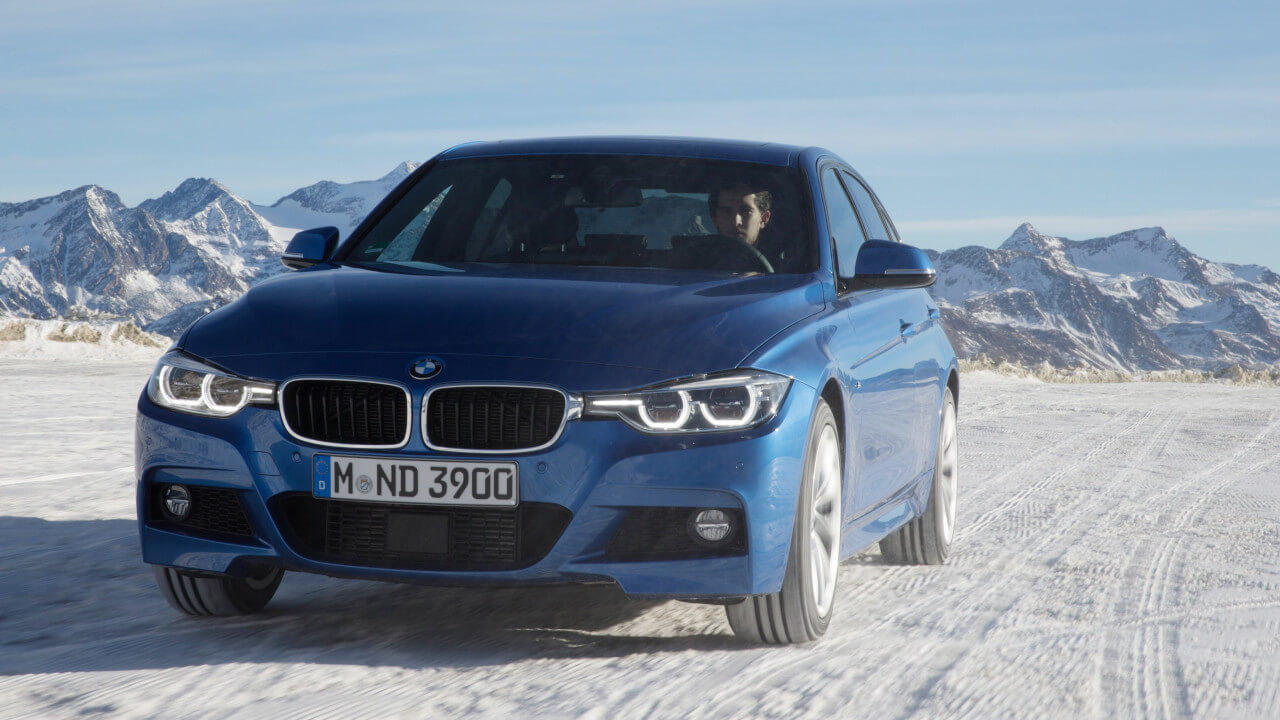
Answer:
(885, 264)
(310, 247)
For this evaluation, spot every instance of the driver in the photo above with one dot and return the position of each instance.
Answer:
(741, 212)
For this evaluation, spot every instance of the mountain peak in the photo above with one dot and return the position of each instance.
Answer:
(1148, 236)
(198, 185)
(1148, 239)
(400, 172)
(1027, 239)
(185, 200)
(95, 196)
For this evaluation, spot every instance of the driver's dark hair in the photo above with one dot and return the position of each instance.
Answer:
(764, 198)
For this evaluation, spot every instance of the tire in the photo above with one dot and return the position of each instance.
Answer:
(926, 540)
(217, 596)
(801, 610)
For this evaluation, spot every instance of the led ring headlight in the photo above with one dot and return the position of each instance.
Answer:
(734, 400)
(182, 383)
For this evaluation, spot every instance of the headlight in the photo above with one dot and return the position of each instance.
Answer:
(727, 401)
(182, 383)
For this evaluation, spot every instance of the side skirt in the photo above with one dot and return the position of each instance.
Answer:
(868, 528)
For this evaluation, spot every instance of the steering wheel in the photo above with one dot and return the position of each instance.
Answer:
(718, 251)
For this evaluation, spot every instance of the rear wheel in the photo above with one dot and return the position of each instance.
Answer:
(218, 596)
(926, 540)
(801, 610)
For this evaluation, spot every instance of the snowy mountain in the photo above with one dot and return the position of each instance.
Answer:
(163, 264)
(331, 203)
(85, 249)
(1133, 301)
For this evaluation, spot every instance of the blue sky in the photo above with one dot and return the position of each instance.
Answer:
(1084, 118)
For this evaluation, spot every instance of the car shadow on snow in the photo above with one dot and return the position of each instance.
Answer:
(76, 597)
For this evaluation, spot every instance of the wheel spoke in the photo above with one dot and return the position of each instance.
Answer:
(821, 560)
(821, 481)
(946, 521)
(947, 470)
(826, 484)
(822, 527)
(817, 571)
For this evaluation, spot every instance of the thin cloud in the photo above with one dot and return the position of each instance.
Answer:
(926, 124)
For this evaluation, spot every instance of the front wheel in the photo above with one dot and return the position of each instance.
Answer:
(801, 610)
(217, 596)
(926, 540)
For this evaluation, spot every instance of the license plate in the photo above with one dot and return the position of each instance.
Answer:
(420, 482)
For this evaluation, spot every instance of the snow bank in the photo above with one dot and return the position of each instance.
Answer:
(1234, 374)
(78, 339)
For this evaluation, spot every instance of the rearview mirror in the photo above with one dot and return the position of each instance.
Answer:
(885, 264)
(620, 192)
(310, 247)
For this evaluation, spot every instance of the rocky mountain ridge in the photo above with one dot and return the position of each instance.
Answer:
(166, 262)
(1134, 301)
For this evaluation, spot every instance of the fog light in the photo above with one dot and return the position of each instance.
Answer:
(177, 502)
(711, 526)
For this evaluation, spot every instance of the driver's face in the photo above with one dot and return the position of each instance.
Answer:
(738, 216)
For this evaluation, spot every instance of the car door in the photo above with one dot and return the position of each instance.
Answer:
(872, 358)
(918, 314)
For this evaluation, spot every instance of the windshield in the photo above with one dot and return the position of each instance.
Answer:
(647, 212)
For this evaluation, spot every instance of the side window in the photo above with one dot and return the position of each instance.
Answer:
(866, 209)
(843, 223)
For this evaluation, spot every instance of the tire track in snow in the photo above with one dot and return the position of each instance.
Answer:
(1037, 487)
(896, 576)
(907, 581)
(1157, 685)
(1028, 514)
(979, 591)
(992, 558)
(65, 476)
(956, 691)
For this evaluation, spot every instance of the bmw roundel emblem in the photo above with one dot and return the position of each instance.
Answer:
(426, 367)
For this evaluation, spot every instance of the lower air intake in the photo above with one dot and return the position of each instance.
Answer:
(412, 537)
(214, 511)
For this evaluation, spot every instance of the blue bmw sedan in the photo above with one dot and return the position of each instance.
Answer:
(699, 369)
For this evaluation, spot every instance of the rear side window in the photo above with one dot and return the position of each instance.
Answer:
(866, 209)
(843, 223)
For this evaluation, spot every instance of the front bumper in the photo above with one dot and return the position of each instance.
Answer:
(598, 472)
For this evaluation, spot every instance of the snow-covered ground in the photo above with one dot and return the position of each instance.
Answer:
(1117, 557)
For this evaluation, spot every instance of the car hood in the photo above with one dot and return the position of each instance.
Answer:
(674, 322)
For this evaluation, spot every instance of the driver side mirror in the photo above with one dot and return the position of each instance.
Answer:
(885, 264)
(310, 247)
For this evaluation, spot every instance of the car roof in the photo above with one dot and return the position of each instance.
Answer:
(706, 148)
